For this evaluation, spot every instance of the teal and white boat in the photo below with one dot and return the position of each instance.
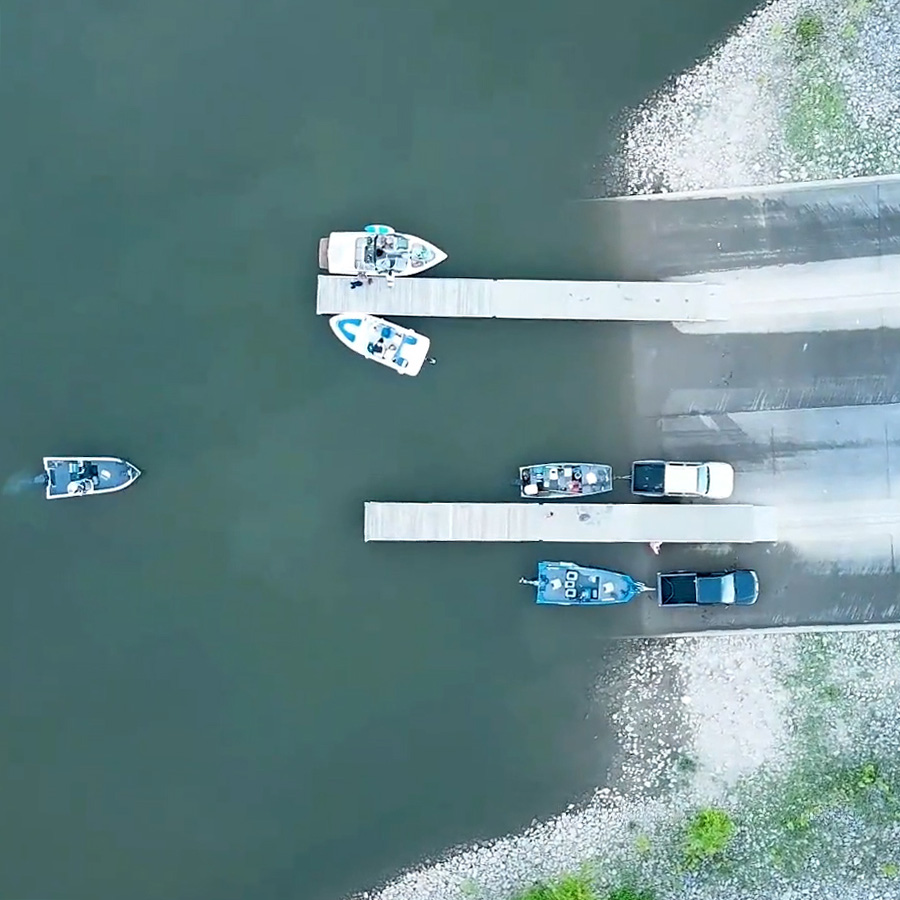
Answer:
(377, 252)
(401, 349)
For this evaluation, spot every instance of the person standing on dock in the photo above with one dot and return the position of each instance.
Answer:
(361, 279)
(655, 545)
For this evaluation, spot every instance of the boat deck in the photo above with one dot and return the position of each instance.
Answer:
(689, 523)
(613, 301)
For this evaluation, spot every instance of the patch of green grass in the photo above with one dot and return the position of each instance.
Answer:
(642, 844)
(849, 34)
(831, 693)
(890, 870)
(818, 121)
(819, 110)
(809, 29)
(708, 834)
(685, 764)
(629, 893)
(470, 889)
(569, 887)
(786, 816)
(858, 9)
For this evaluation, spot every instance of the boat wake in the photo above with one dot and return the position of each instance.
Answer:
(21, 482)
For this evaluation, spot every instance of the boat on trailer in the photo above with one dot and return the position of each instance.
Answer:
(559, 480)
(568, 584)
(85, 476)
(401, 349)
(377, 252)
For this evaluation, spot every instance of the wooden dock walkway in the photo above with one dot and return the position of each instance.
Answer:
(615, 523)
(618, 301)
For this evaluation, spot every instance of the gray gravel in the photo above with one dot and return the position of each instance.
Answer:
(735, 708)
(757, 113)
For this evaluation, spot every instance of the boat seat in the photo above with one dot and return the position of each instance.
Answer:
(571, 593)
(595, 594)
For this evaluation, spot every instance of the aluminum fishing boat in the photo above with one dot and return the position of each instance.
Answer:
(377, 252)
(85, 476)
(401, 349)
(558, 480)
(568, 584)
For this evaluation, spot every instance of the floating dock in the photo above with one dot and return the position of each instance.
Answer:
(486, 298)
(565, 523)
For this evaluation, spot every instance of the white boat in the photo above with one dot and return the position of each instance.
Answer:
(401, 349)
(377, 252)
(84, 476)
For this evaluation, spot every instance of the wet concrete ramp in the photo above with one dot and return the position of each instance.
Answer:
(666, 235)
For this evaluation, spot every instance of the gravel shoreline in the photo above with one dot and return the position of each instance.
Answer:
(803, 90)
(745, 701)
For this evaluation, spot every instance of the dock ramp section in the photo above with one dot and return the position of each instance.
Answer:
(614, 523)
(612, 301)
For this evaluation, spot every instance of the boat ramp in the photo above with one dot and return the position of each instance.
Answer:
(698, 232)
(491, 298)
(617, 523)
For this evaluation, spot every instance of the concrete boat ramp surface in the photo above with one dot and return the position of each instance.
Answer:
(811, 424)
(666, 235)
(798, 387)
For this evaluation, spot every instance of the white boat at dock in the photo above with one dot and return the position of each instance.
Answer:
(401, 349)
(377, 252)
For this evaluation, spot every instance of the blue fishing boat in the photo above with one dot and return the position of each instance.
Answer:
(568, 584)
(86, 476)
